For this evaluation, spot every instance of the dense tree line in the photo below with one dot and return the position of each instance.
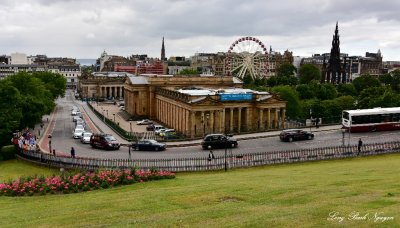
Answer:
(25, 98)
(307, 97)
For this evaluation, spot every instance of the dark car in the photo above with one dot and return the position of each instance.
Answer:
(290, 135)
(148, 144)
(213, 141)
(150, 127)
(104, 141)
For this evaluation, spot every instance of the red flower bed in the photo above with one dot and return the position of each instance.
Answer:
(79, 182)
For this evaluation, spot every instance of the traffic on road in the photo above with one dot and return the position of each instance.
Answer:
(64, 126)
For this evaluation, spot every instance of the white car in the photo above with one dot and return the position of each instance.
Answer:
(76, 113)
(75, 118)
(77, 133)
(144, 122)
(79, 127)
(159, 129)
(85, 138)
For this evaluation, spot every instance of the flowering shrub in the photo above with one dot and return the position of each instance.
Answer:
(79, 182)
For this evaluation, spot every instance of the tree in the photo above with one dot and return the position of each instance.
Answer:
(309, 72)
(345, 102)
(55, 83)
(368, 97)
(10, 111)
(395, 83)
(290, 95)
(386, 79)
(346, 90)
(326, 92)
(364, 82)
(36, 100)
(305, 91)
(286, 70)
(189, 71)
(332, 111)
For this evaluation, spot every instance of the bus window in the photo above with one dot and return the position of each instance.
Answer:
(375, 118)
(386, 118)
(396, 117)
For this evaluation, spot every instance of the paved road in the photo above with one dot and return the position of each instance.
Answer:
(62, 139)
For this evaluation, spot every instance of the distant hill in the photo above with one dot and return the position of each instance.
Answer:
(86, 62)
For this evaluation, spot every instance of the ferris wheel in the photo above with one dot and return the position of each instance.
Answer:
(247, 56)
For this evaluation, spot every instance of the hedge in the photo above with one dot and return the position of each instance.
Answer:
(7, 152)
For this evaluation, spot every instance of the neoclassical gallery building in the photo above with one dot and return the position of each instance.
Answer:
(196, 105)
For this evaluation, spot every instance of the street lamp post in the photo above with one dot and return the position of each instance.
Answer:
(343, 132)
(226, 149)
(114, 117)
(104, 117)
(207, 118)
(130, 127)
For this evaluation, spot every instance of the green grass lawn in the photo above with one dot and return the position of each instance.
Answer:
(293, 195)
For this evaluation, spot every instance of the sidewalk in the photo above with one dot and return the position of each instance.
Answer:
(111, 112)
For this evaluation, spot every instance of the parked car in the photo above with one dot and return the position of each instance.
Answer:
(150, 127)
(154, 127)
(290, 135)
(80, 122)
(144, 122)
(77, 133)
(148, 144)
(104, 141)
(76, 113)
(85, 137)
(158, 129)
(75, 118)
(213, 141)
(166, 131)
(80, 126)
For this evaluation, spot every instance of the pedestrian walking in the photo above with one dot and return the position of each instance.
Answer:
(72, 152)
(54, 152)
(211, 156)
(360, 142)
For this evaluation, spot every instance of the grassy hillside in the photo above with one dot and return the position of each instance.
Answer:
(294, 195)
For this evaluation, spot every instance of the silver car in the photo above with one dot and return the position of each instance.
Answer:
(85, 138)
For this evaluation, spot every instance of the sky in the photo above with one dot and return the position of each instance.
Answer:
(85, 28)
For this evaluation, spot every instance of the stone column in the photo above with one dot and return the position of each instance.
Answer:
(283, 118)
(249, 124)
(203, 123)
(231, 120)
(223, 121)
(276, 117)
(269, 118)
(192, 123)
(187, 123)
(260, 119)
(239, 119)
(212, 121)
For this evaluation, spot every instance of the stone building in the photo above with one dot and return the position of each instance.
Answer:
(192, 105)
(196, 105)
(101, 85)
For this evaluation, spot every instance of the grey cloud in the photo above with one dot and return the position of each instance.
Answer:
(126, 26)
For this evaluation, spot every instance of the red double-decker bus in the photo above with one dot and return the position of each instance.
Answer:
(375, 119)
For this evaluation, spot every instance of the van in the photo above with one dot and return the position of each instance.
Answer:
(104, 141)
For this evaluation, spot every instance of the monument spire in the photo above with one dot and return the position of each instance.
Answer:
(163, 51)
